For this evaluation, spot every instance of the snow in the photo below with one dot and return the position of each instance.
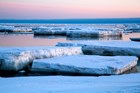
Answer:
(18, 58)
(110, 48)
(86, 64)
(128, 83)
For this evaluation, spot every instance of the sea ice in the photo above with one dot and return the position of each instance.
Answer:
(93, 33)
(86, 64)
(18, 58)
(80, 30)
(108, 48)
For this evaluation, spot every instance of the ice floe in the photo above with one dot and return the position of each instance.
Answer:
(109, 48)
(80, 32)
(14, 28)
(18, 58)
(93, 33)
(50, 31)
(132, 28)
(86, 64)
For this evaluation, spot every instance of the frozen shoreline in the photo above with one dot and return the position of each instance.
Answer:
(128, 83)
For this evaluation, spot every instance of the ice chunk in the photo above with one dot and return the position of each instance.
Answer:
(109, 48)
(50, 31)
(93, 33)
(132, 28)
(22, 29)
(86, 64)
(4, 28)
(80, 30)
(18, 58)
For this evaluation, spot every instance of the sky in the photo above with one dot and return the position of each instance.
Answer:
(64, 9)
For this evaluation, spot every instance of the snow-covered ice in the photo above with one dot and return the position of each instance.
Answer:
(80, 30)
(128, 83)
(86, 64)
(75, 33)
(132, 28)
(18, 58)
(13, 28)
(50, 31)
(6, 28)
(93, 33)
(109, 48)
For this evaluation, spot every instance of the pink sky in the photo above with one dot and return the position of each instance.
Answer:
(55, 9)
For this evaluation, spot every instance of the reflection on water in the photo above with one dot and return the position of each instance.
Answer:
(127, 36)
(31, 40)
(95, 38)
(77, 38)
(27, 40)
(49, 36)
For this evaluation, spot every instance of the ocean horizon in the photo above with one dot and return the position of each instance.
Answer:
(73, 21)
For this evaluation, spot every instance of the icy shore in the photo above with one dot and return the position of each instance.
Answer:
(128, 83)
(108, 48)
(19, 58)
(86, 64)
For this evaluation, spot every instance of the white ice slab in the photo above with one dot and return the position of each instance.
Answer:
(49, 32)
(110, 48)
(86, 64)
(18, 58)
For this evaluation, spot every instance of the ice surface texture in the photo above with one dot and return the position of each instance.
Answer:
(15, 59)
(86, 64)
(108, 48)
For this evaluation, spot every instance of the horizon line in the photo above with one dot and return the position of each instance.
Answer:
(71, 18)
